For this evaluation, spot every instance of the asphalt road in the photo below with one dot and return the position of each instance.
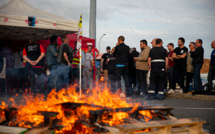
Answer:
(187, 108)
(183, 108)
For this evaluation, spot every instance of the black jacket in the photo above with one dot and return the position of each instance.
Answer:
(198, 56)
(122, 54)
(135, 53)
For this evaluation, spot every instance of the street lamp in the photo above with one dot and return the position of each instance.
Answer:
(100, 41)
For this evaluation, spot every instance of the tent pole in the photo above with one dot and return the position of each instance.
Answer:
(80, 65)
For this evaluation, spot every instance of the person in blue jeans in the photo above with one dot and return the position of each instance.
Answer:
(64, 58)
(51, 57)
(198, 57)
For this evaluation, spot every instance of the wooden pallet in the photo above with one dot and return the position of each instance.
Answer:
(175, 126)
(12, 130)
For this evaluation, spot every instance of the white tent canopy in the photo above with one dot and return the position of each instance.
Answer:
(19, 20)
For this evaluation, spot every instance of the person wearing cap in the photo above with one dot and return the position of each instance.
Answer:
(104, 65)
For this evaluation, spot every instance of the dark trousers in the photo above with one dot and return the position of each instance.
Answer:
(211, 75)
(134, 78)
(189, 77)
(122, 71)
(141, 80)
(196, 77)
(157, 79)
(170, 77)
(20, 76)
(178, 76)
(52, 78)
(33, 72)
(112, 79)
(9, 79)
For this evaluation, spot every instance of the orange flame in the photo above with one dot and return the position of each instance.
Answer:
(147, 114)
(28, 113)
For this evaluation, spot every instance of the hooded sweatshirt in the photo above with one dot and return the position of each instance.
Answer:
(142, 60)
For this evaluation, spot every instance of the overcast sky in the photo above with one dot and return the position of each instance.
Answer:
(141, 19)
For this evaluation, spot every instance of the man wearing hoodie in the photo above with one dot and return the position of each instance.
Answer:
(142, 67)
(198, 57)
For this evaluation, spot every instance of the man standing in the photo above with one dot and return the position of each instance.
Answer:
(158, 63)
(104, 66)
(51, 57)
(189, 74)
(64, 58)
(142, 67)
(211, 72)
(87, 70)
(180, 58)
(33, 53)
(112, 71)
(198, 57)
(134, 81)
(171, 62)
(122, 54)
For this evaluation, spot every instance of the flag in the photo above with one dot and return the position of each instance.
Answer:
(79, 43)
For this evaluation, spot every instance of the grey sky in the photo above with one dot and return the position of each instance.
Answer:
(141, 19)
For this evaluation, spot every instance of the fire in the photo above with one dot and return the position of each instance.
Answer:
(29, 114)
(117, 118)
(2, 113)
(147, 114)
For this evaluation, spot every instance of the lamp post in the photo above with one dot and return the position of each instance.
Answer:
(100, 41)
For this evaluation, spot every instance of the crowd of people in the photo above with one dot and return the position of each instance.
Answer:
(55, 68)
(166, 67)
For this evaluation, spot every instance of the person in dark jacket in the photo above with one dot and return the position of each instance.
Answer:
(158, 63)
(122, 54)
(134, 80)
(198, 57)
(131, 71)
(211, 72)
(111, 62)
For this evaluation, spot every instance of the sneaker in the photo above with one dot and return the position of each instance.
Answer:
(171, 91)
(179, 91)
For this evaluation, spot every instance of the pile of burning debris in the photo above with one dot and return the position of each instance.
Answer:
(66, 112)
